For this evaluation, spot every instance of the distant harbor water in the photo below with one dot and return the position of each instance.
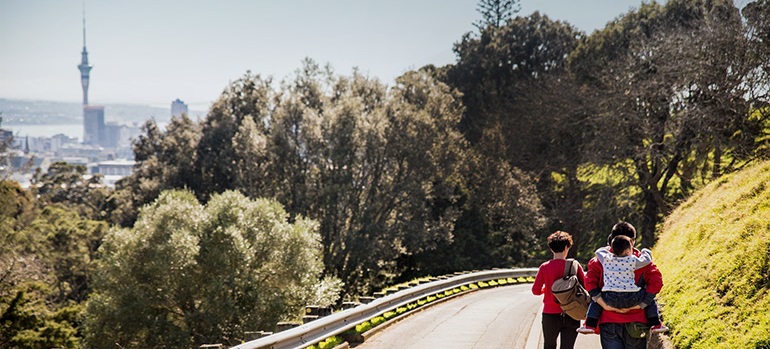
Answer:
(69, 130)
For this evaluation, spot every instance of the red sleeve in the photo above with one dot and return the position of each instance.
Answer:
(581, 275)
(653, 279)
(593, 278)
(537, 286)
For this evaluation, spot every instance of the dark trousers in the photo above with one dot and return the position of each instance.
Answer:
(615, 336)
(555, 325)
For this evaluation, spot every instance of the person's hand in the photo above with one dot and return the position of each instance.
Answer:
(625, 310)
(613, 309)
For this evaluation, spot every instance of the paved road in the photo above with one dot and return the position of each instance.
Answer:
(501, 317)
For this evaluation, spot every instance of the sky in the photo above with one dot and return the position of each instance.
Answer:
(154, 51)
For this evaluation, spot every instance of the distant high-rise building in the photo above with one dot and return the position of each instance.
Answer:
(178, 108)
(93, 125)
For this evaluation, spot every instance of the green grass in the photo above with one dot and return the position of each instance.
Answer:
(714, 253)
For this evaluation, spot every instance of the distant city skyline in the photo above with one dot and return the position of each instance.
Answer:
(153, 52)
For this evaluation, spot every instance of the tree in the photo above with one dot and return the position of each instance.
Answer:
(188, 274)
(69, 185)
(674, 87)
(496, 12)
(518, 92)
(46, 260)
(164, 160)
(246, 98)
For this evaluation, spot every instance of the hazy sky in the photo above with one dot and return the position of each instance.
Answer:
(154, 51)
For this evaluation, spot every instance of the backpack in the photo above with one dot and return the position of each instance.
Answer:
(570, 294)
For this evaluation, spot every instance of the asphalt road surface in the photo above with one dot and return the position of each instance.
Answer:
(501, 317)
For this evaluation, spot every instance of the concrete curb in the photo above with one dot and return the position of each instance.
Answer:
(535, 332)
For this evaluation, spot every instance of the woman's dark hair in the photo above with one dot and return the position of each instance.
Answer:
(621, 243)
(559, 240)
(622, 228)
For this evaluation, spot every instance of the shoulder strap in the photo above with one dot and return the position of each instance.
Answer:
(569, 268)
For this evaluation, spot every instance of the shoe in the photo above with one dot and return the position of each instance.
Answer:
(586, 330)
(659, 328)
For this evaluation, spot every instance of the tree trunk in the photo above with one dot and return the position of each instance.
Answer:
(717, 171)
(573, 222)
(649, 220)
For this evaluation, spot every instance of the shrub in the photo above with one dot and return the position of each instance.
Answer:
(377, 320)
(363, 327)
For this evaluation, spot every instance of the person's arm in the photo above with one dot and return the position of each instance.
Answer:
(606, 306)
(653, 279)
(644, 259)
(581, 275)
(593, 278)
(646, 300)
(653, 283)
(539, 284)
(602, 254)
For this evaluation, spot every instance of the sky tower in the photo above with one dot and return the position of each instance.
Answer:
(85, 68)
(93, 115)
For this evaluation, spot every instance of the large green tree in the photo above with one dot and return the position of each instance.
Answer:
(525, 109)
(188, 274)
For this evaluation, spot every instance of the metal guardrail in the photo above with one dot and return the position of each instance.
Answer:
(318, 330)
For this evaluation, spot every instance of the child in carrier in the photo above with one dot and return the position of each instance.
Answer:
(619, 290)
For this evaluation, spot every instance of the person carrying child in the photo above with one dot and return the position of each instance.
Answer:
(620, 291)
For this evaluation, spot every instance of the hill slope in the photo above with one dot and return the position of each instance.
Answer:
(714, 252)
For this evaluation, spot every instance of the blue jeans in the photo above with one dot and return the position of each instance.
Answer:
(615, 336)
(622, 300)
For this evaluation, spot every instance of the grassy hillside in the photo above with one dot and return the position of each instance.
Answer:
(714, 252)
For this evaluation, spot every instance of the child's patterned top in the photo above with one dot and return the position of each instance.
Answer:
(619, 271)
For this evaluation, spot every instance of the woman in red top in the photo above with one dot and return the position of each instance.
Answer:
(555, 322)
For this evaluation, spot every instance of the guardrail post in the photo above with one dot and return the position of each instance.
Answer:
(286, 325)
(348, 305)
(252, 335)
(365, 299)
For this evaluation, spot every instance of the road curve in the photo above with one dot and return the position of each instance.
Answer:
(500, 317)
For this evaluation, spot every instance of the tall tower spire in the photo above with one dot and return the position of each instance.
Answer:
(85, 68)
